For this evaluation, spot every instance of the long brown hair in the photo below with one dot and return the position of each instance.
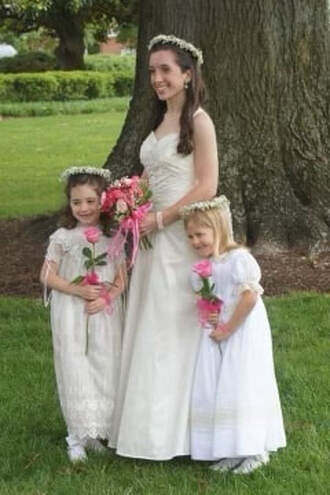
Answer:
(195, 96)
(99, 184)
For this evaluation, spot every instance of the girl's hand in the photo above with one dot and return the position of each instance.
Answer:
(93, 307)
(87, 292)
(221, 332)
(148, 224)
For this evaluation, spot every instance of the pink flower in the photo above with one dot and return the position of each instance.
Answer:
(91, 278)
(203, 268)
(206, 306)
(92, 234)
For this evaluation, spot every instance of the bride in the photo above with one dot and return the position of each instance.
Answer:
(162, 332)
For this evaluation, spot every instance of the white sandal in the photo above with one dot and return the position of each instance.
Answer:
(226, 464)
(251, 463)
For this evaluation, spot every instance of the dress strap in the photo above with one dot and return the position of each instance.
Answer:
(198, 111)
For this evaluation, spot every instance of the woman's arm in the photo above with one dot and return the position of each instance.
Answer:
(206, 173)
(49, 276)
(245, 304)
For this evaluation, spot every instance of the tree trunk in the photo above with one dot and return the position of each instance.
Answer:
(71, 47)
(267, 66)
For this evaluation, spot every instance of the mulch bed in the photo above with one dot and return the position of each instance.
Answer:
(23, 243)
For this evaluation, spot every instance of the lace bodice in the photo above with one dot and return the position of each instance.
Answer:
(171, 174)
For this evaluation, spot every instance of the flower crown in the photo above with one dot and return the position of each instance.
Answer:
(101, 172)
(170, 39)
(218, 203)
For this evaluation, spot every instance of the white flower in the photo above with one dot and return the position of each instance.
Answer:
(220, 202)
(121, 206)
(102, 172)
(183, 44)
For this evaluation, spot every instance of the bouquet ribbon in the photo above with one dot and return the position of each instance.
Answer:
(128, 225)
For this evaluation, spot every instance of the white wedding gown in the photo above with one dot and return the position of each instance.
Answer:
(161, 333)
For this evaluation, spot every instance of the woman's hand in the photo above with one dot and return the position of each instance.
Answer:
(148, 224)
(93, 307)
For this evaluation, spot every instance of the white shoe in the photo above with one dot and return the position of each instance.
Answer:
(226, 464)
(95, 445)
(251, 463)
(77, 453)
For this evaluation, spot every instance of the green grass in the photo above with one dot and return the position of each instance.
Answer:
(44, 108)
(35, 150)
(34, 459)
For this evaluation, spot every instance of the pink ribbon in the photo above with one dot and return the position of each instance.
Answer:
(130, 224)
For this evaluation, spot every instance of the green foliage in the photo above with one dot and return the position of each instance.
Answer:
(111, 63)
(49, 86)
(33, 429)
(28, 62)
(43, 108)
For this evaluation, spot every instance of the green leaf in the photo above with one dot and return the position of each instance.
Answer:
(89, 264)
(77, 280)
(101, 263)
(87, 252)
(101, 256)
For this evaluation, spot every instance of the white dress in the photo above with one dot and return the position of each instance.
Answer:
(235, 403)
(86, 383)
(161, 332)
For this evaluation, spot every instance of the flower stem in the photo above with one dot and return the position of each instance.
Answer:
(86, 340)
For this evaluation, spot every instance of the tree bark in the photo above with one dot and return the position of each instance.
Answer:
(71, 47)
(267, 66)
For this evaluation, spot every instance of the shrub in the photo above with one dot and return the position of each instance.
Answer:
(110, 63)
(61, 86)
(27, 87)
(28, 62)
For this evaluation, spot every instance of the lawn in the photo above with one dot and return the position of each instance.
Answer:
(35, 150)
(32, 429)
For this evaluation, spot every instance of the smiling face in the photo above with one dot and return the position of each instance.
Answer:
(85, 204)
(166, 76)
(201, 239)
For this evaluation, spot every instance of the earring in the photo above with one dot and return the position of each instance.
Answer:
(186, 84)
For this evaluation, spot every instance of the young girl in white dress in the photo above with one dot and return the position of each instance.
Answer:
(161, 331)
(236, 415)
(86, 381)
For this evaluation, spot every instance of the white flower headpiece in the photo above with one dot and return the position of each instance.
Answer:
(219, 203)
(170, 39)
(102, 172)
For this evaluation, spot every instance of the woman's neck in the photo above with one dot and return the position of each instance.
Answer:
(175, 105)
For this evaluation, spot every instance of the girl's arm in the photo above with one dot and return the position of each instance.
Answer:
(206, 173)
(117, 287)
(245, 304)
(50, 277)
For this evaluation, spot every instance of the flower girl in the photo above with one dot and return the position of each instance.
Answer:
(86, 315)
(236, 412)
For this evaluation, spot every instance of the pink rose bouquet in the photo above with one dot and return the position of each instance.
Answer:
(127, 201)
(92, 235)
(207, 302)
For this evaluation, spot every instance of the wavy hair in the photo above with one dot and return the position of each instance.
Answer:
(195, 96)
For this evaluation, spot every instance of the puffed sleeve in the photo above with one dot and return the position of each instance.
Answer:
(246, 273)
(57, 246)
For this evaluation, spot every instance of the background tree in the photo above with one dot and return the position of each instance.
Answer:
(67, 21)
(267, 69)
